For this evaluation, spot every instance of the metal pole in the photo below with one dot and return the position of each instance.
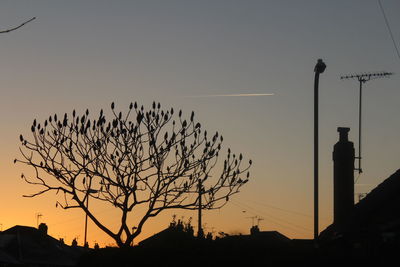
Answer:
(89, 191)
(86, 220)
(199, 228)
(319, 68)
(316, 81)
(359, 126)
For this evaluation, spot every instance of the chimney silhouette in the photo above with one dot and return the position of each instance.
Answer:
(43, 228)
(343, 178)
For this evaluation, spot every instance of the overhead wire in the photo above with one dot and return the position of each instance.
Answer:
(281, 222)
(358, 177)
(287, 210)
(281, 209)
(389, 29)
(275, 219)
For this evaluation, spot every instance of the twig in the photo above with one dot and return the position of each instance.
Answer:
(13, 29)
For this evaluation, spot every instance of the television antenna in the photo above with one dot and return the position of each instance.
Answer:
(255, 219)
(258, 220)
(363, 78)
(38, 215)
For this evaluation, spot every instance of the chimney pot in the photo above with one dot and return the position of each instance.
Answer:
(343, 134)
(43, 228)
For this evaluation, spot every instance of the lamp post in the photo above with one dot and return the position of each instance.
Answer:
(318, 69)
(89, 191)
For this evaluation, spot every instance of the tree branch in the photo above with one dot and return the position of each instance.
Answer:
(15, 28)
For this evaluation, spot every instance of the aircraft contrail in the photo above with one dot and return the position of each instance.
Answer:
(197, 96)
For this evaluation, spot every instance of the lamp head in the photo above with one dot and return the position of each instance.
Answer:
(320, 66)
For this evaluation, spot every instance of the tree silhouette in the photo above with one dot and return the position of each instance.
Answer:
(155, 159)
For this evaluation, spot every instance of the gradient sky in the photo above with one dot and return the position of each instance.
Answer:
(86, 54)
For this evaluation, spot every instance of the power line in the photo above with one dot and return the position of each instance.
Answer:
(389, 29)
(286, 210)
(272, 218)
(276, 218)
(281, 209)
(279, 221)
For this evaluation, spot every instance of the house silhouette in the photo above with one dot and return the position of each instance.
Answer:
(177, 234)
(29, 246)
(375, 218)
(369, 229)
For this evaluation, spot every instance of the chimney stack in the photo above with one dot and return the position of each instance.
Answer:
(43, 228)
(343, 178)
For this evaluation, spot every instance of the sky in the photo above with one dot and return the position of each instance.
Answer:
(87, 54)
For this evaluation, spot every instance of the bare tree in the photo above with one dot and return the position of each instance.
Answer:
(13, 29)
(154, 159)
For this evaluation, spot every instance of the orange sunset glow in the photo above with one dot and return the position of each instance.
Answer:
(246, 69)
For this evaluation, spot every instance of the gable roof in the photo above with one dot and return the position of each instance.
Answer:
(170, 236)
(385, 195)
(379, 209)
(28, 245)
(273, 236)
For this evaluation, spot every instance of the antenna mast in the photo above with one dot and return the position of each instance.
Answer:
(363, 78)
(255, 220)
(258, 220)
(252, 219)
(38, 215)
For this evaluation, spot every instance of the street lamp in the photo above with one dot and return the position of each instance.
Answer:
(89, 191)
(319, 68)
